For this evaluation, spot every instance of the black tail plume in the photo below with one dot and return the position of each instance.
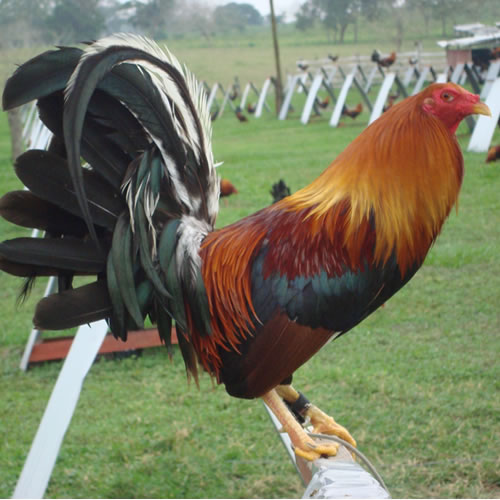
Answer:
(126, 190)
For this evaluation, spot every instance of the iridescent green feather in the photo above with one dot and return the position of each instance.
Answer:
(123, 259)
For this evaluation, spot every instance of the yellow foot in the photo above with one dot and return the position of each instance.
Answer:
(324, 424)
(312, 450)
(304, 445)
(321, 422)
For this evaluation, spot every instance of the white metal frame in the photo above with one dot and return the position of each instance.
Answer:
(484, 129)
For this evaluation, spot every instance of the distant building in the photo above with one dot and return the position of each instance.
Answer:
(475, 45)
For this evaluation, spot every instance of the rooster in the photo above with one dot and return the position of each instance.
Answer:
(279, 190)
(323, 104)
(375, 57)
(241, 117)
(227, 188)
(352, 112)
(254, 300)
(384, 62)
(493, 154)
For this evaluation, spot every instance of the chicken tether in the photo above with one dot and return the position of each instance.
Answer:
(127, 191)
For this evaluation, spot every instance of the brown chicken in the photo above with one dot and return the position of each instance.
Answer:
(227, 188)
(323, 104)
(352, 112)
(384, 62)
(241, 117)
(493, 154)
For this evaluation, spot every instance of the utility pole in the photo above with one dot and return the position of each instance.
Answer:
(278, 86)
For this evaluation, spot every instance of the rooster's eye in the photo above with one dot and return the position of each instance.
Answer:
(446, 96)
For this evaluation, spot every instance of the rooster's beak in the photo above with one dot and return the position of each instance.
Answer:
(481, 109)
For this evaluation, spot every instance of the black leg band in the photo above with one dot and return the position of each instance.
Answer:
(299, 407)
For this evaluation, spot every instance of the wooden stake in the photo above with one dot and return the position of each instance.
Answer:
(278, 86)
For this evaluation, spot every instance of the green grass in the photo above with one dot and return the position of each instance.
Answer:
(416, 383)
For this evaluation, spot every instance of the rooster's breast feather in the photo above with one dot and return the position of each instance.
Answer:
(320, 279)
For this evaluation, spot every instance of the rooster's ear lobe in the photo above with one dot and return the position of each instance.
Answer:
(428, 103)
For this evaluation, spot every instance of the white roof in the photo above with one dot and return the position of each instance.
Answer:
(488, 36)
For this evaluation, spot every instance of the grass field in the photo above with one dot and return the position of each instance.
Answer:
(416, 383)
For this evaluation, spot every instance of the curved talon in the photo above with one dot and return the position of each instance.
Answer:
(317, 450)
(306, 455)
(304, 445)
(324, 424)
(335, 430)
(329, 450)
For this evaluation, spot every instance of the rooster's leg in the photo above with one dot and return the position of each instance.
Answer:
(304, 445)
(321, 422)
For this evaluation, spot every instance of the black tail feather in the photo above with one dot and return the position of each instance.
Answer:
(26, 270)
(25, 209)
(128, 82)
(105, 156)
(188, 354)
(73, 307)
(65, 254)
(111, 113)
(40, 76)
(144, 137)
(46, 175)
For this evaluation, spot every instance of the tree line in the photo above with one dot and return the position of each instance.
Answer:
(29, 22)
(336, 16)
(35, 22)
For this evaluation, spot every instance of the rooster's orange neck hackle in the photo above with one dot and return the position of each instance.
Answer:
(405, 169)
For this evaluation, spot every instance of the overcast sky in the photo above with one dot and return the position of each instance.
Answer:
(280, 6)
